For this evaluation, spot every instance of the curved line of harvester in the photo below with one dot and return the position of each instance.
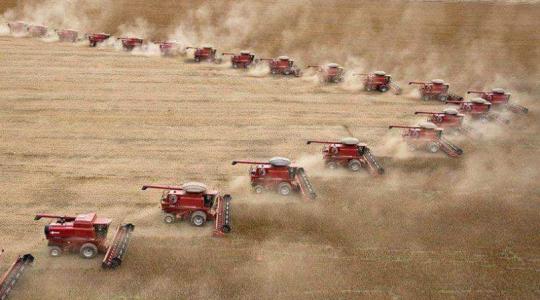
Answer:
(193, 201)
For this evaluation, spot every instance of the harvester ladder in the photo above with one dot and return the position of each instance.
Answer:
(118, 248)
(396, 88)
(373, 163)
(223, 216)
(305, 185)
(13, 274)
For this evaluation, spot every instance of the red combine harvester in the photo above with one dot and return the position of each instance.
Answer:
(129, 43)
(379, 81)
(67, 35)
(448, 119)
(330, 73)
(37, 30)
(427, 135)
(205, 53)
(193, 201)
(18, 27)
(351, 154)
(242, 60)
(86, 234)
(277, 174)
(283, 65)
(12, 275)
(500, 98)
(96, 38)
(436, 89)
(479, 109)
(167, 48)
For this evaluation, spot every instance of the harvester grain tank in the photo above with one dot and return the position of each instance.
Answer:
(86, 234)
(13, 274)
(499, 98)
(428, 136)
(380, 81)
(279, 175)
(436, 89)
(194, 202)
(349, 153)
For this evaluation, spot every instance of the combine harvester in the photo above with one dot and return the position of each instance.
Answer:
(278, 175)
(436, 89)
(13, 274)
(329, 73)
(479, 109)
(168, 48)
(192, 201)
(37, 30)
(68, 35)
(449, 119)
(205, 53)
(499, 98)
(244, 59)
(97, 38)
(87, 234)
(380, 81)
(428, 136)
(18, 27)
(349, 153)
(129, 43)
(283, 65)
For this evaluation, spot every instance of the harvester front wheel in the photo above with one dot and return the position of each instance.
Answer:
(169, 218)
(284, 189)
(354, 165)
(433, 147)
(426, 97)
(198, 218)
(89, 250)
(258, 189)
(55, 251)
(226, 228)
(383, 89)
(443, 98)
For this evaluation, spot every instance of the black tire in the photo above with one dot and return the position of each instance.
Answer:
(426, 97)
(55, 251)
(433, 147)
(169, 218)
(198, 218)
(274, 71)
(443, 98)
(227, 228)
(332, 165)
(384, 88)
(88, 251)
(197, 59)
(284, 189)
(235, 66)
(258, 189)
(355, 165)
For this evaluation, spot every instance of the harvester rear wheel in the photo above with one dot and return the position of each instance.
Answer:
(89, 250)
(258, 189)
(355, 165)
(332, 165)
(443, 98)
(169, 218)
(226, 228)
(284, 189)
(55, 251)
(198, 218)
(433, 147)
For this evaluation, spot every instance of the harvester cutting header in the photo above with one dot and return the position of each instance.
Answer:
(194, 202)
(278, 175)
(13, 273)
(351, 154)
(86, 234)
